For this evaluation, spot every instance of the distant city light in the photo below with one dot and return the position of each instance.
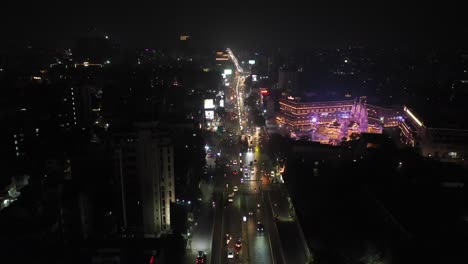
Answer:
(107, 37)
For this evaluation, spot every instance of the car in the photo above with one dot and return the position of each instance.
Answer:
(201, 258)
(231, 195)
(236, 188)
(234, 162)
(238, 243)
(230, 200)
(235, 172)
(230, 253)
(260, 227)
(246, 174)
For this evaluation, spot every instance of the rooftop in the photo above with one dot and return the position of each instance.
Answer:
(441, 115)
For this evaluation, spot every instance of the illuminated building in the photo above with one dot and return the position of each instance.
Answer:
(295, 113)
(222, 56)
(330, 122)
(144, 162)
(443, 143)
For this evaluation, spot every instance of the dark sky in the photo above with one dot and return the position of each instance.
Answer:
(249, 24)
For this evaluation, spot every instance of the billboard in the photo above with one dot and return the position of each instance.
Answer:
(251, 62)
(209, 104)
(209, 115)
(227, 71)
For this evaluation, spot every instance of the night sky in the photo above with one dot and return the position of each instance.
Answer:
(244, 24)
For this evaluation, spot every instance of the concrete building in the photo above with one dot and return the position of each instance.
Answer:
(145, 172)
(445, 143)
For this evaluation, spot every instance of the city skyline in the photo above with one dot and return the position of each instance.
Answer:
(220, 133)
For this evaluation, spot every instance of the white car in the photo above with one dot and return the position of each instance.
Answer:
(230, 254)
(234, 162)
(230, 200)
(236, 188)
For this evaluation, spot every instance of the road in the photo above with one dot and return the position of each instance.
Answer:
(256, 199)
(229, 216)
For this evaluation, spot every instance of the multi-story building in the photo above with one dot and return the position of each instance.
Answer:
(290, 79)
(331, 121)
(145, 173)
(448, 143)
(295, 112)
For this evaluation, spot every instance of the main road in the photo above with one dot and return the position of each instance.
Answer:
(246, 218)
(259, 215)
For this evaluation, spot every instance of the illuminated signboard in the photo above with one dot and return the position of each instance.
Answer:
(209, 104)
(227, 71)
(251, 62)
(209, 115)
